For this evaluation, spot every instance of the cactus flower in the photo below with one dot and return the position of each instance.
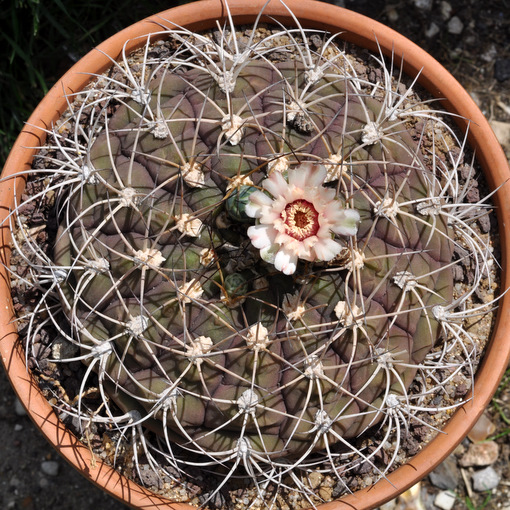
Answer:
(300, 221)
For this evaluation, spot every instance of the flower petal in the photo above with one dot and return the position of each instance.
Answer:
(306, 251)
(275, 184)
(300, 175)
(257, 203)
(279, 238)
(326, 197)
(268, 254)
(261, 236)
(269, 216)
(317, 176)
(327, 249)
(345, 222)
(307, 175)
(285, 261)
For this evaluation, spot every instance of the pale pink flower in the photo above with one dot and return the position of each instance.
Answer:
(300, 220)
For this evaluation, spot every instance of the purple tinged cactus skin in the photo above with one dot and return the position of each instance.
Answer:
(273, 360)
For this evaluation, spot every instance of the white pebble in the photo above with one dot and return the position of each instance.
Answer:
(392, 14)
(445, 500)
(44, 483)
(432, 31)
(18, 408)
(455, 26)
(425, 5)
(485, 479)
(62, 349)
(445, 9)
(50, 467)
(490, 54)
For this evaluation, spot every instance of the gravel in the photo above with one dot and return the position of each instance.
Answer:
(445, 500)
(485, 479)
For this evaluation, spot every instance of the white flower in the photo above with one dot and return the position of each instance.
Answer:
(300, 220)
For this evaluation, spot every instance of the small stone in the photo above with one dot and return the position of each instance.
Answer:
(473, 195)
(14, 481)
(445, 500)
(432, 31)
(27, 502)
(149, 477)
(43, 483)
(392, 14)
(485, 223)
(325, 493)
(446, 475)
(315, 478)
(19, 409)
(455, 25)
(445, 8)
(50, 467)
(480, 454)
(476, 98)
(411, 498)
(424, 5)
(390, 505)
(428, 499)
(458, 273)
(18, 427)
(62, 349)
(486, 479)
(502, 69)
(502, 132)
(483, 428)
(490, 54)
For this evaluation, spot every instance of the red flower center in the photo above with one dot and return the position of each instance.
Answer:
(301, 220)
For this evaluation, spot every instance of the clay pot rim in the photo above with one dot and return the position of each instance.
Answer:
(355, 28)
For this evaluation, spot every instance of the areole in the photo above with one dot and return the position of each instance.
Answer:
(354, 28)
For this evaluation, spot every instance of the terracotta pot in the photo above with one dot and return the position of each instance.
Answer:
(355, 28)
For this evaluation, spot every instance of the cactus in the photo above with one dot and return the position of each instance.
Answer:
(255, 252)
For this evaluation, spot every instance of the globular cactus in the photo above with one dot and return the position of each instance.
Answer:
(255, 248)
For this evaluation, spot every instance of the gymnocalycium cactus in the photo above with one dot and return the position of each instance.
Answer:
(255, 251)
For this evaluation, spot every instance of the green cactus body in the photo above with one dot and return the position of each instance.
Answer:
(211, 341)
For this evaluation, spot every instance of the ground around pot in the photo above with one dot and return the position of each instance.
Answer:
(472, 39)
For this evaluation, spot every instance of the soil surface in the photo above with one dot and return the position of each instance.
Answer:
(472, 39)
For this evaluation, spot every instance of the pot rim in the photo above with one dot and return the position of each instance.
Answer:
(357, 29)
